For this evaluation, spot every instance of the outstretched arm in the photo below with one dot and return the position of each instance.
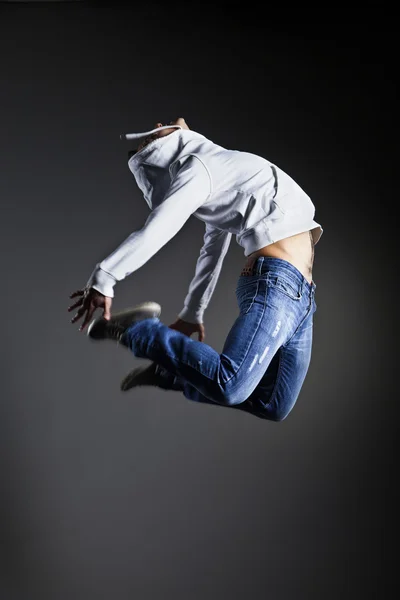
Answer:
(189, 189)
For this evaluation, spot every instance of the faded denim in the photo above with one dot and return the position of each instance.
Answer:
(266, 355)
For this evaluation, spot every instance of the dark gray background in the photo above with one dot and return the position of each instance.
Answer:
(145, 495)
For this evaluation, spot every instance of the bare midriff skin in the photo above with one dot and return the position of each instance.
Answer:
(297, 249)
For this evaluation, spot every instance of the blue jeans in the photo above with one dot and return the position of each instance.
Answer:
(265, 357)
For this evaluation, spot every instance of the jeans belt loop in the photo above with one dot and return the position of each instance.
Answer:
(259, 264)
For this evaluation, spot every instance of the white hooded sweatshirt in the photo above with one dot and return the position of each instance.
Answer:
(232, 192)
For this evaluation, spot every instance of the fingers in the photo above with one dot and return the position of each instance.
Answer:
(88, 308)
(80, 293)
(202, 333)
(78, 303)
(78, 314)
(107, 308)
(88, 317)
(77, 293)
(189, 329)
(88, 302)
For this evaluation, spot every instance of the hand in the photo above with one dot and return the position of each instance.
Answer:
(89, 301)
(189, 328)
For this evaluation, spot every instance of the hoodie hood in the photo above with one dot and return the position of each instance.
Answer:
(137, 136)
(150, 166)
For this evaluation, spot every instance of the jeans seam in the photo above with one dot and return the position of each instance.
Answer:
(298, 326)
(254, 297)
(255, 333)
(278, 375)
(174, 358)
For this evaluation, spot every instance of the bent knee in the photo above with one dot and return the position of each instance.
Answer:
(230, 397)
(278, 415)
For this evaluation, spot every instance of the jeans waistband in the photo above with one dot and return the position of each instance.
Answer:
(265, 264)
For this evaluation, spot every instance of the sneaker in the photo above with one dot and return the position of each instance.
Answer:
(154, 375)
(102, 329)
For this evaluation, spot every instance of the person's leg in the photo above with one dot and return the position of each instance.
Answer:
(279, 388)
(273, 304)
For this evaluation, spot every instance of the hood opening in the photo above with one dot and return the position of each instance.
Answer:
(137, 136)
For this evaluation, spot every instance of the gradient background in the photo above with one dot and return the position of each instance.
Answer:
(145, 495)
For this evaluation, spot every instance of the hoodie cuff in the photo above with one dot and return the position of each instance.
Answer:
(102, 281)
(191, 315)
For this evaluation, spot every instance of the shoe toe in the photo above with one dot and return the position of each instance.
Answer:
(129, 381)
(96, 329)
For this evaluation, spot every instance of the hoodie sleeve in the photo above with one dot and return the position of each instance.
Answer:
(190, 188)
(208, 268)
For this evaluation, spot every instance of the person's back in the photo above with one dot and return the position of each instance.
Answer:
(249, 196)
